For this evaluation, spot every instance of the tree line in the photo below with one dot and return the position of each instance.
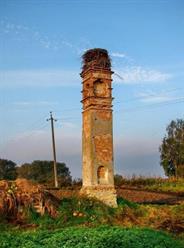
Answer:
(172, 149)
(37, 171)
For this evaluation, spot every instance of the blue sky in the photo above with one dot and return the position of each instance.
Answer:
(41, 43)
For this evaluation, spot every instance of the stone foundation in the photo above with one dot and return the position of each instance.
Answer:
(105, 194)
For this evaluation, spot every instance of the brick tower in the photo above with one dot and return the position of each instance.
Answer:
(97, 136)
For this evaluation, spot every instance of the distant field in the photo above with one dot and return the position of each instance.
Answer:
(175, 185)
(101, 237)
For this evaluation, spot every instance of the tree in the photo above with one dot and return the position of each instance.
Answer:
(172, 149)
(118, 180)
(42, 172)
(7, 169)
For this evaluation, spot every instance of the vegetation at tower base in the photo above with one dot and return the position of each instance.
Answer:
(172, 149)
(78, 211)
(86, 219)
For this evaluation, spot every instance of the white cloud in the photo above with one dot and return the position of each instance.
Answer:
(118, 55)
(138, 74)
(157, 97)
(37, 78)
(24, 33)
(153, 97)
(35, 103)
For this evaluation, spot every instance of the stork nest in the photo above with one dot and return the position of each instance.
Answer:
(96, 58)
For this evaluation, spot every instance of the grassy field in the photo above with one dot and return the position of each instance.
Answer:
(85, 223)
(101, 237)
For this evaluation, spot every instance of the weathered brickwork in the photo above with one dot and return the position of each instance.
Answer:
(97, 139)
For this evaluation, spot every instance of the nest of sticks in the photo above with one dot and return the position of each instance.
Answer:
(96, 58)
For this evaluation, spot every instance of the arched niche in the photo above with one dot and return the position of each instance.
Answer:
(102, 175)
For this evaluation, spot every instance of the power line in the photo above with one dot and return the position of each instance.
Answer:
(180, 100)
(147, 96)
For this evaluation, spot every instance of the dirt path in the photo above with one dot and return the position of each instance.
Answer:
(144, 196)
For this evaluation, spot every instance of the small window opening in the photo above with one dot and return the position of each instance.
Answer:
(102, 175)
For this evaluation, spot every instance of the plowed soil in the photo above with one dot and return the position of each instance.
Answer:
(145, 196)
(131, 194)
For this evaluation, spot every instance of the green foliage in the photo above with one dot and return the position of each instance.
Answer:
(42, 172)
(101, 237)
(118, 180)
(75, 211)
(7, 170)
(124, 202)
(172, 149)
(84, 211)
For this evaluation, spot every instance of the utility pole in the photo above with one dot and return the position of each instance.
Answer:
(54, 149)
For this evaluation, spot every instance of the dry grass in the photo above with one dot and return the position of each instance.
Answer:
(20, 196)
(168, 218)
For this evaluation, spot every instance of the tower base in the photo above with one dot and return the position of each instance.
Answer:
(105, 194)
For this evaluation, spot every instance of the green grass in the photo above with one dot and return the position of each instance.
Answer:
(123, 202)
(89, 223)
(76, 211)
(92, 213)
(101, 237)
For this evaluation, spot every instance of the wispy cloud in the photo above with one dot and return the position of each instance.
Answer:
(153, 98)
(39, 78)
(24, 33)
(156, 97)
(35, 103)
(118, 55)
(138, 74)
(47, 78)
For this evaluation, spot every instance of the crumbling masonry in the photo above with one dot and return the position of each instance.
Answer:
(97, 136)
